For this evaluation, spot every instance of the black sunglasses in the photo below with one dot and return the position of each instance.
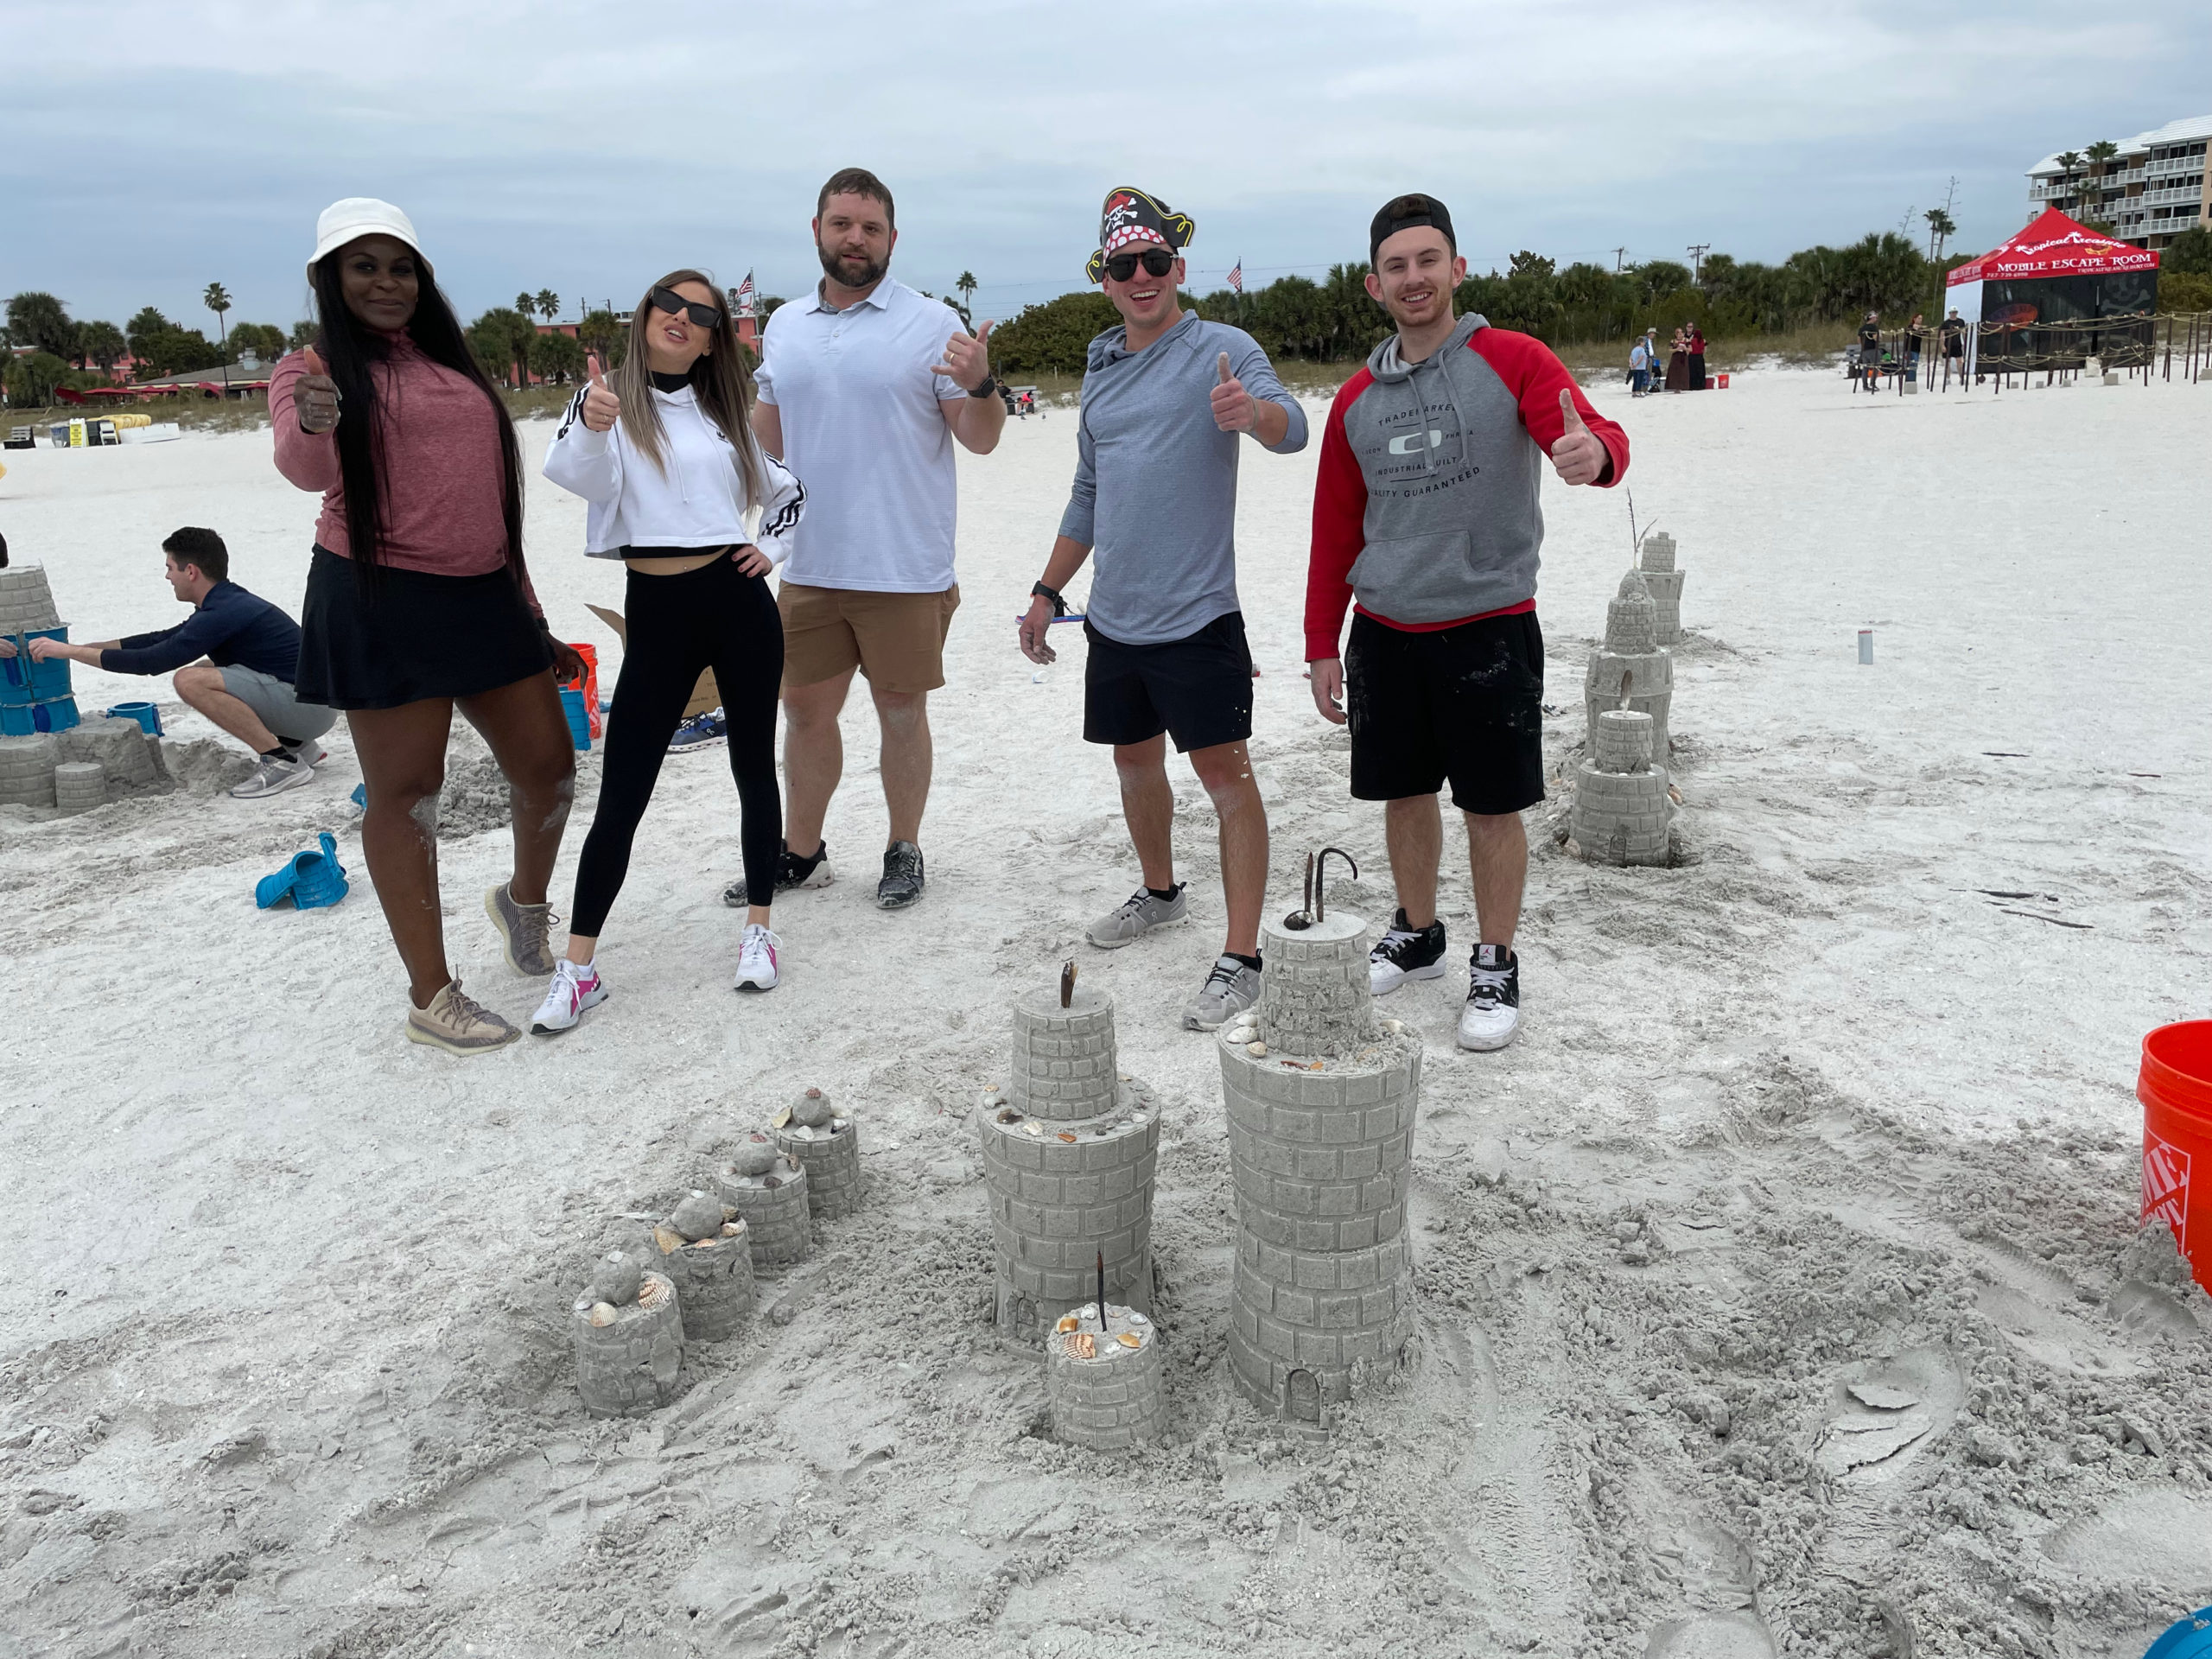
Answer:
(668, 300)
(1157, 262)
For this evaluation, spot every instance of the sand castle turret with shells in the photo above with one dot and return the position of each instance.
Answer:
(1321, 1102)
(1070, 1143)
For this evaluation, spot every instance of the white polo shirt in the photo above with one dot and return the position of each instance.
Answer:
(859, 405)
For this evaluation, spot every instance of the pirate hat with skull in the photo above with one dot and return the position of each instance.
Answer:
(1130, 216)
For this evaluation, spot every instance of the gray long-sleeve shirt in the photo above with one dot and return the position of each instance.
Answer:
(1156, 481)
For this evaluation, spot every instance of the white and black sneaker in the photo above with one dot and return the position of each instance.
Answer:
(792, 871)
(1492, 1015)
(1405, 952)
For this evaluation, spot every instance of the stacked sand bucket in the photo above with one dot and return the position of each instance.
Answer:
(1321, 1101)
(34, 696)
(1069, 1150)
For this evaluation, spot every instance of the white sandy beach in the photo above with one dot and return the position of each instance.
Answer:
(283, 1364)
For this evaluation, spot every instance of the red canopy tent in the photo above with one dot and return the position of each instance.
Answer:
(2053, 269)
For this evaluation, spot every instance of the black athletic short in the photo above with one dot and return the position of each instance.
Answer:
(1197, 688)
(1463, 703)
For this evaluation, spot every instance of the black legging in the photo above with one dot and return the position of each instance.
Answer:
(714, 617)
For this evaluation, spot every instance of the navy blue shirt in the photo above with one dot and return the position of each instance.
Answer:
(230, 625)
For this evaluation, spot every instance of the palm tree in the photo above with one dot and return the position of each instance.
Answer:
(549, 304)
(2068, 159)
(218, 300)
(1941, 227)
(967, 285)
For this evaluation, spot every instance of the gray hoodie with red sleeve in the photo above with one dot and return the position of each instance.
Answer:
(1425, 509)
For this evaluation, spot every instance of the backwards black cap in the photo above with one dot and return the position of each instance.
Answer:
(1407, 214)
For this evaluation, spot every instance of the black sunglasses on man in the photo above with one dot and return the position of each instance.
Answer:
(668, 300)
(1157, 262)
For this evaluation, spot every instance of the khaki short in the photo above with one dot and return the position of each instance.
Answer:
(896, 640)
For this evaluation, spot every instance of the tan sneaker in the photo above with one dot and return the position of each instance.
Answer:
(459, 1024)
(522, 930)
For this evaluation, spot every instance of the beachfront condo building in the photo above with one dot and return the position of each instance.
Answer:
(2150, 189)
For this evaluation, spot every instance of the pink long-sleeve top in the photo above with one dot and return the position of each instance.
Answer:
(444, 513)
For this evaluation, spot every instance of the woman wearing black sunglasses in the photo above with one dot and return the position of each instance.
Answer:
(663, 451)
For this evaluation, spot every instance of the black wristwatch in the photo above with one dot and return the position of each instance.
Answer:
(1059, 605)
(988, 386)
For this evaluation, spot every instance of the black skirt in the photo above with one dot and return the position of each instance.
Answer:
(379, 639)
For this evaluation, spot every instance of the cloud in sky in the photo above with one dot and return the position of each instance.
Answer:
(163, 144)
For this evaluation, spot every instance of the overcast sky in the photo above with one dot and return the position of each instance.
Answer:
(156, 147)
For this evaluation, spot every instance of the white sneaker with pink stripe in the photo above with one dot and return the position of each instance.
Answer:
(757, 958)
(574, 987)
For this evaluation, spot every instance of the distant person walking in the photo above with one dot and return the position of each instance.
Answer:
(863, 387)
(1639, 367)
(1954, 333)
(1870, 352)
(1695, 349)
(1426, 519)
(235, 657)
(665, 457)
(1168, 399)
(418, 603)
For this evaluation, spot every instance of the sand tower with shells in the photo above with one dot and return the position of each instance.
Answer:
(1321, 1101)
(1069, 1144)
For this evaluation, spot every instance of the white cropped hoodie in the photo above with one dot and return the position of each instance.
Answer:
(696, 499)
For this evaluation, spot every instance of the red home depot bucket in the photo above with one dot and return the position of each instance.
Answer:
(1722, 380)
(2175, 1086)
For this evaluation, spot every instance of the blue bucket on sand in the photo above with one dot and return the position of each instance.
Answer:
(310, 880)
(2186, 1638)
(145, 714)
(572, 702)
(56, 716)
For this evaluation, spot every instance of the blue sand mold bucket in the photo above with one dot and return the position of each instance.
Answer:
(310, 880)
(16, 676)
(2187, 1639)
(572, 702)
(58, 715)
(145, 714)
(50, 678)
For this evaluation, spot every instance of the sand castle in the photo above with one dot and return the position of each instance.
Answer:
(811, 1133)
(1069, 1150)
(1623, 810)
(629, 1339)
(768, 1190)
(707, 1254)
(34, 696)
(1656, 563)
(1105, 1378)
(1631, 669)
(86, 766)
(1321, 1102)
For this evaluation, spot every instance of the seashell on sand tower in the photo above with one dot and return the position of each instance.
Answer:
(1321, 1104)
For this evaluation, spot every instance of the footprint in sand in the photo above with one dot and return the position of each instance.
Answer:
(2163, 1535)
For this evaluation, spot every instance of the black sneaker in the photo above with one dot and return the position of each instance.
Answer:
(792, 871)
(1405, 952)
(1493, 1012)
(902, 876)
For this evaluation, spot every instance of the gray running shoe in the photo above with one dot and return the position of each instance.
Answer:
(902, 876)
(273, 775)
(1140, 913)
(522, 930)
(1231, 987)
(459, 1024)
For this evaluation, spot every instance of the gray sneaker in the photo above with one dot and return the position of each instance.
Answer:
(273, 775)
(1140, 913)
(1231, 987)
(522, 930)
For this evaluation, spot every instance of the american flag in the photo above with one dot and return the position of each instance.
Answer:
(741, 295)
(1236, 273)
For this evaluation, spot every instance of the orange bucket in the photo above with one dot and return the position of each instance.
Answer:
(589, 685)
(2175, 1086)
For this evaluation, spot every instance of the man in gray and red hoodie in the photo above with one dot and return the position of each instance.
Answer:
(1425, 514)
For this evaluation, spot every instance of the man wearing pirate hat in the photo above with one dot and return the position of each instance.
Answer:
(1168, 399)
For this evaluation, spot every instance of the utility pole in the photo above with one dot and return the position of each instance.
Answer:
(1619, 254)
(1697, 251)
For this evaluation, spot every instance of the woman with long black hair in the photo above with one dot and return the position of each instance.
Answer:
(417, 600)
(666, 456)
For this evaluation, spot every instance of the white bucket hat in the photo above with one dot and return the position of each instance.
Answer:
(358, 216)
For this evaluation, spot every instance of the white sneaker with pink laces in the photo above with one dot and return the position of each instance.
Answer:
(757, 958)
(575, 986)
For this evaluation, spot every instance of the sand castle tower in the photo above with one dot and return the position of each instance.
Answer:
(706, 1255)
(34, 696)
(1631, 669)
(765, 1189)
(1069, 1149)
(1105, 1378)
(629, 1339)
(811, 1132)
(1656, 563)
(1321, 1101)
(1622, 806)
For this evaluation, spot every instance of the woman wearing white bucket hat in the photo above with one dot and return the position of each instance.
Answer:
(418, 601)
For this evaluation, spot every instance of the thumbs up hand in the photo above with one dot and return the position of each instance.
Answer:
(1234, 410)
(967, 361)
(1580, 456)
(602, 407)
(314, 395)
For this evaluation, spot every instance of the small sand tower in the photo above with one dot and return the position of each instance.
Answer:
(1656, 563)
(708, 1256)
(629, 1339)
(1321, 1102)
(811, 1132)
(1631, 669)
(1105, 1377)
(1623, 810)
(1068, 1158)
(766, 1190)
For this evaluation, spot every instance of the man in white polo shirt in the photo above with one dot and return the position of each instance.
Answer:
(863, 386)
